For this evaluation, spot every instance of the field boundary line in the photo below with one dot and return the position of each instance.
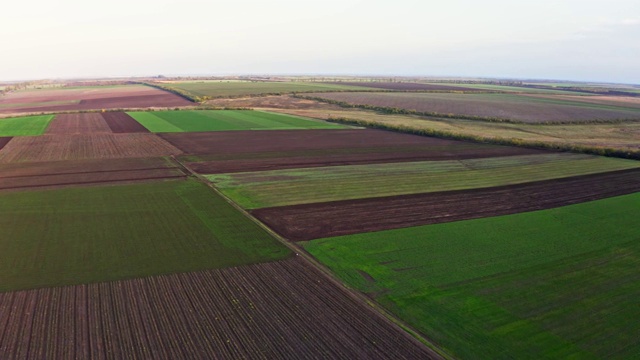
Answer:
(432, 348)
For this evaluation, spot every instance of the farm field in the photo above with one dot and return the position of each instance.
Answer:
(84, 146)
(224, 120)
(309, 185)
(87, 98)
(618, 135)
(283, 309)
(293, 142)
(497, 107)
(626, 101)
(24, 126)
(216, 89)
(514, 89)
(405, 86)
(90, 234)
(4, 141)
(241, 151)
(565, 277)
(321, 220)
(83, 172)
(120, 122)
(124, 252)
(82, 123)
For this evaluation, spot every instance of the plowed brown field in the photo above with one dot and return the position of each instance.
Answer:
(120, 122)
(4, 141)
(84, 123)
(258, 145)
(314, 221)
(85, 146)
(74, 172)
(88, 98)
(285, 309)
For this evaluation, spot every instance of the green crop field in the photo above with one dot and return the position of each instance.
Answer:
(239, 88)
(24, 126)
(309, 185)
(221, 120)
(558, 283)
(102, 233)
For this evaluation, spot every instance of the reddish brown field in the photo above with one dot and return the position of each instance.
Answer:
(4, 141)
(120, 122)
(84, 146)
(314, 221)
(74, 172)
(83, 123)
(88, 98)
(285, 309)
(405, 86)
(626, 101)
(346, 156)
(291, 143)
(502, 107)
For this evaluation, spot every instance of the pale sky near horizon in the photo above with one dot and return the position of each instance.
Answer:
(588, 40)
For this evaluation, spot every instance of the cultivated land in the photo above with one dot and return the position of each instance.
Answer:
(545, 284)
(284, 309)
(623, 136)
(491, 106)
(240, 151)
(24, 126)
(404, 86)
(217, 89)
(76, 172)
(83, 235)
(309, 185)
(84, 146)
(513, 89)
(82, 123)
(120, 122)
(99, 198)
(224, 120)
(4, 141)
(87, 98)
(319, 220)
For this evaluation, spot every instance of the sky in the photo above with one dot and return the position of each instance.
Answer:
(584, 40)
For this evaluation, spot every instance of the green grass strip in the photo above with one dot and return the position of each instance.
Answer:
(224, 120)
(25, 126)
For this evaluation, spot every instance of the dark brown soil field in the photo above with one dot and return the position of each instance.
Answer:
(74, 172)
(4, 141)
(495, 107)
(89, 98)
(157, 100)
(83, 123)
(229, 144)
(348, 156)
(120, 122)
(406, 86)
(284, 309)
(84, 146)
(314, 221)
